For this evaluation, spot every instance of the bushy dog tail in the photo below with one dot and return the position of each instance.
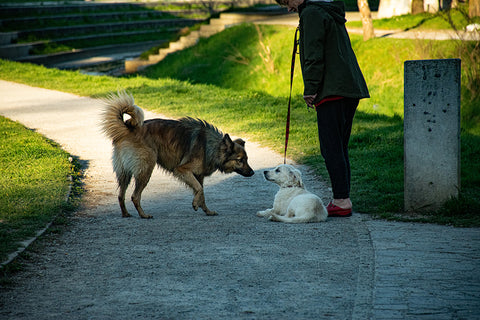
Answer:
(116, 105)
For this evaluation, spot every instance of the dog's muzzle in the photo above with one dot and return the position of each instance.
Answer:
(246, 173)
(266, 174)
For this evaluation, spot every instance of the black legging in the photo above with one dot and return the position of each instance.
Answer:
(334, 120)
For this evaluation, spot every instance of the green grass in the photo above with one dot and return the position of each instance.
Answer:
(33, 183)
(454, 18)
(238, 80)
(246, 64)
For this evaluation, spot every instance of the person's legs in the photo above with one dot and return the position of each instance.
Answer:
(334, 119)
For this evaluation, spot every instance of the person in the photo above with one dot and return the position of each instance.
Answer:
(333, 86)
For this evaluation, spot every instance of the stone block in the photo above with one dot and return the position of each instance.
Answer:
(431, 133)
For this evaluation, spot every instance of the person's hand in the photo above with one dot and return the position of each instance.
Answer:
(309, 100)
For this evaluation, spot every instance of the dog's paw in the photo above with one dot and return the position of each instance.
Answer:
(264, 213)
(211, 213)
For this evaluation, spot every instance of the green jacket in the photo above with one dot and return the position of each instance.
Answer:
(329, 65)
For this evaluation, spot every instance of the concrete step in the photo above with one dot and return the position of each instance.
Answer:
(177, 46)
(17, 23)
(189, 40)
(216, 25)
(73, 20)
(8, 37)
(95, 32)
(51, 60)
(194, 34)
(60, 8)
(16, 51)
(56, 32)
(209, 30)
(216, 21)
(56, 9)
(135, 65)
(156, 58)
(165, 51)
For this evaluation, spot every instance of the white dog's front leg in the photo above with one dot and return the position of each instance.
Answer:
(265, 213)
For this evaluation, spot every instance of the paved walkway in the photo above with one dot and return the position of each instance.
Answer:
(292, 20)
(185, 265)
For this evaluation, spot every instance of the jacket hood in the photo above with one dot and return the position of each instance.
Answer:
(336, 9)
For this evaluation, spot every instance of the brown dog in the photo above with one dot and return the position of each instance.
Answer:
(189, 148)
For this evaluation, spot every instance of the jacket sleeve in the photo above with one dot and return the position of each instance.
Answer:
(313, 50)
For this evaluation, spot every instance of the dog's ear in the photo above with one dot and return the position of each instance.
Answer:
(240, 142)
(227, 142)
(296, 177)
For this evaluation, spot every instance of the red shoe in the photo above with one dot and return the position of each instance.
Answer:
(334, 211)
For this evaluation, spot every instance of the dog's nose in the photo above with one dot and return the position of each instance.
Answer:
(245, 173)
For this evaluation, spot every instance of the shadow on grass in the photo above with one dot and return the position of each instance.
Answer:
(376, 157)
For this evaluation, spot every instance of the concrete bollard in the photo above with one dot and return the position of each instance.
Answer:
(431, 133)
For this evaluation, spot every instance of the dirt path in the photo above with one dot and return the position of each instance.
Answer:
(185, 265)
(181, 264)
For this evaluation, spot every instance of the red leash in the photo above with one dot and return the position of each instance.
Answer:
(287, 129)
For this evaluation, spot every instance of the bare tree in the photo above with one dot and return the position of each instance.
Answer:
(417, 6)
(474, 8)
(367, 23)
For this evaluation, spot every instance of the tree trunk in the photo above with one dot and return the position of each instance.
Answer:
(474, 8)
(366, 19)
(417, 6)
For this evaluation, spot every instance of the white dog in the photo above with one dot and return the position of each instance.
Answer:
(293, 203)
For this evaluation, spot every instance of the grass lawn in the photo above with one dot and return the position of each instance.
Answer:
(457, 18)
(33, 183)
(239, 80)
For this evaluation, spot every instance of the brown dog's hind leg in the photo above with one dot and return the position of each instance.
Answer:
(123, 182)
(140, 183)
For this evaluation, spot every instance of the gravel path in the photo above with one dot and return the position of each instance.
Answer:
(185, 265)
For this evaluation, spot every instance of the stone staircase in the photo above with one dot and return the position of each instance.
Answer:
(83, 29)
(215, 25)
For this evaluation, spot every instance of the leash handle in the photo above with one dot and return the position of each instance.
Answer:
(292, 69)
